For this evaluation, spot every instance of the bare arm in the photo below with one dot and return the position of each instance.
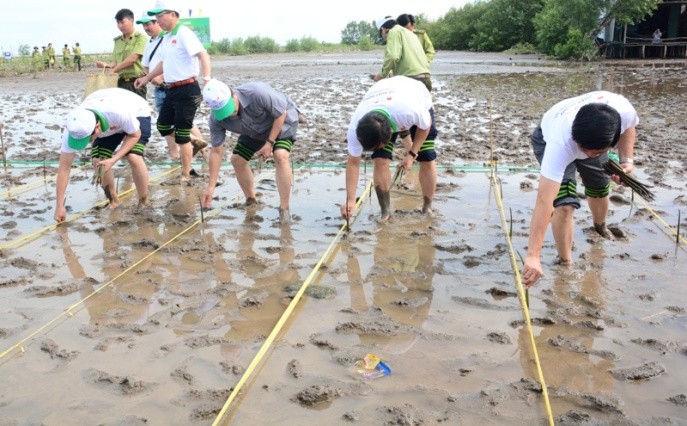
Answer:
(626, 149)
(205, 66)
(215, 161)
(126, 63)
(61, 183)
(541, 216)
(352, 172)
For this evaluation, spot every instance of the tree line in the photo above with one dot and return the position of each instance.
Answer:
(563, 29)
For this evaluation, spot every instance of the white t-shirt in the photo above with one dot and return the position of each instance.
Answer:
(148, 61)
(556, 126)
(407, 101)
(179, 48)
(120, 108)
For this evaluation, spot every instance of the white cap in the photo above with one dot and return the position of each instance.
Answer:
(382, 21)
(162, 5)
(80, 126)
(217, 96)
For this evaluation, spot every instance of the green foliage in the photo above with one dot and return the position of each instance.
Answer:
(256, 44)
(222, 46)
(355, 31)
(292, 45)
(455, 29)
(505, 23)
(238, 48)
(523, 49)
(309, 44)
(366, 43)
(576, 46)
(562, 22)
(24, 50)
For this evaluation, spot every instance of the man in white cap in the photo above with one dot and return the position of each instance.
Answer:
(266, 121)
(182, 56)
(393, 107)
(404, 54)
(151, 57)
(107, 118)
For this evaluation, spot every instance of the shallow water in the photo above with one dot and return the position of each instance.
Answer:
(165, 334)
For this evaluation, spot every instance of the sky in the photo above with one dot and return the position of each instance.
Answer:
(92, 23)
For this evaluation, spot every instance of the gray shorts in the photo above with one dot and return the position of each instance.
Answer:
(595, 180)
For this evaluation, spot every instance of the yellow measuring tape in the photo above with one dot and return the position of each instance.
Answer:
(76, 307)
(287, 313)
(30, 237)
(521, 290)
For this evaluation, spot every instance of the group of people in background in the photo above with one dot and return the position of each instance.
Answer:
(47, 59)
(574, 136)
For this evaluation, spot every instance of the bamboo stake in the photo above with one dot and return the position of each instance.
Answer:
(2, 146)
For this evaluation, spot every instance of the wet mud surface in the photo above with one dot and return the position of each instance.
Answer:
(147, 316)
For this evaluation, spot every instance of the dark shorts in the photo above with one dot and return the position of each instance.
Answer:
(246, 146)
(596, 182)
(427, 152)
(178, 111)
(104, 148)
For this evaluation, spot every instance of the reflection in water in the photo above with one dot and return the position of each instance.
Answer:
(401, 283)
(261, 304)
(566, 349)
(121, 302)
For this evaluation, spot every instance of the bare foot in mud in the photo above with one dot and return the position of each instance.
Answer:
(563, 262)
(284, 216)
(384, 198)
(602, 230)
(427, 207)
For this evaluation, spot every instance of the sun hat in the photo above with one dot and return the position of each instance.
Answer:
(162, 5)
(80, 126)
(144, 19)
(382, 21)
(217, 96)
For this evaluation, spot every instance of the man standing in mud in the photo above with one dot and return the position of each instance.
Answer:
(127, 53)
(392, 107)
(575, 136)
(183, 56)
(107, 118)
(266, 121)
(404, 54)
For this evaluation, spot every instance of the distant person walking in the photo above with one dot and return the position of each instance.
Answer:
(407, 20)
(183, 56)
(404, 54)
(65, 57)
(51, 55)
(77, 56)
(46, 58)
(128, 50)
(36, 59)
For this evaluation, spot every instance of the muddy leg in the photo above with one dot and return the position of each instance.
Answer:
(384, 198)
(427, 206)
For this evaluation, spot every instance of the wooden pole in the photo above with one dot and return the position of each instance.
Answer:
(2, 146)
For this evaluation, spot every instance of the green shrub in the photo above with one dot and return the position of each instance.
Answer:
(366, 43)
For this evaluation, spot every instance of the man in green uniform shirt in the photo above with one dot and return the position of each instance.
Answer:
(128, 51)
(404, 54)
(77, 56)
(65, 56)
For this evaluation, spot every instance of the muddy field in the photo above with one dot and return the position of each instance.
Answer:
(128, 316)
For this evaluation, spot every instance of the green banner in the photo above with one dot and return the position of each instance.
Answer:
(200, 26)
